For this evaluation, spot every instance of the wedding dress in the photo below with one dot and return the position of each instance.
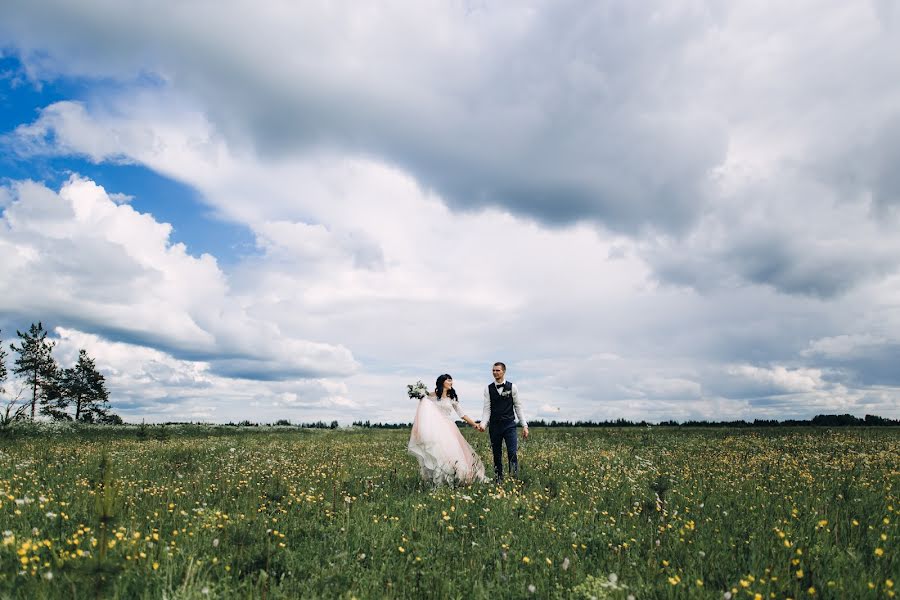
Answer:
(444, 455)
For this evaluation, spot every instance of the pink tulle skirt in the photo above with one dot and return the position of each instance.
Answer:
(444, 455)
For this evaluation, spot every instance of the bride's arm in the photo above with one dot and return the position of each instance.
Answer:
(465, 418)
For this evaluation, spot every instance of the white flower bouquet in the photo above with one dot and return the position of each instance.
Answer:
(417, 390)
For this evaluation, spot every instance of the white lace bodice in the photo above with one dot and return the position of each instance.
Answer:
(445, 405)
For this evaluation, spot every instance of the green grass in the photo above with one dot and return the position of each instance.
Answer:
(285, 513)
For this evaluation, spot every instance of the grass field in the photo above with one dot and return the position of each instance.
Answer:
(207, 512)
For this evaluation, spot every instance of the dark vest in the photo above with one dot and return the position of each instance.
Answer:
(501, 406)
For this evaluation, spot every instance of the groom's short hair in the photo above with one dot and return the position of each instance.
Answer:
(501, 365)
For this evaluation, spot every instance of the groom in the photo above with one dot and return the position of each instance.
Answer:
(501, 408)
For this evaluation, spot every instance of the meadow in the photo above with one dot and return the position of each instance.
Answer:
(219, 512)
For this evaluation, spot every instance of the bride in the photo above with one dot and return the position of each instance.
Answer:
(443, 453)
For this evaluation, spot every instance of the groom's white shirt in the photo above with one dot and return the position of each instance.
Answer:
(517, 406)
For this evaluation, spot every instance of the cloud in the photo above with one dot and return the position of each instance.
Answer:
(511, 107)
(147, 384)
(780, 378)
(78, 257)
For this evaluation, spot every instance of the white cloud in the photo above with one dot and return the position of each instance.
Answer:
(841, 346)
(79, 256)
(782, 378)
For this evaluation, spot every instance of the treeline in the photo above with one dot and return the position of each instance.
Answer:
(817, 421)
(369, 425)
(286, 423)
(77, 393)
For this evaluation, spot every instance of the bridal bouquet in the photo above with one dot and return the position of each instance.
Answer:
(417, 390)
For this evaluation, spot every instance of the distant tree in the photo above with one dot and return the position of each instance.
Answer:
(111, 419)
(83, 388)
(836, 420)
(35, 363)
(2, 365)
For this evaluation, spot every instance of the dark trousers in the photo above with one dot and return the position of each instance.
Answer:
(500, 432)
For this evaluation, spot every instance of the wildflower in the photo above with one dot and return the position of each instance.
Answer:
(50, 515)
(799, 573)
(531, 588)
(565, 564)
(401, 549)
(526, 560)
(879, 551)
(215, 543)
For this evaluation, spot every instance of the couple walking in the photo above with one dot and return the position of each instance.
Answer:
(444, 455)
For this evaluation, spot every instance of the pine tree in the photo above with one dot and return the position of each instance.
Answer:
(85, 387)
(53, 402)
(2, 365)
(35, 363)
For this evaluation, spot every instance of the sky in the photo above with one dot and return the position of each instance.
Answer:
(290, 210)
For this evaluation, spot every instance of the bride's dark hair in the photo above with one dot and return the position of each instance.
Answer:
(439, 387)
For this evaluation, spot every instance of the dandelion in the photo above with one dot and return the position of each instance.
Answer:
(879, 551)
(531, 588)
(526, 560)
